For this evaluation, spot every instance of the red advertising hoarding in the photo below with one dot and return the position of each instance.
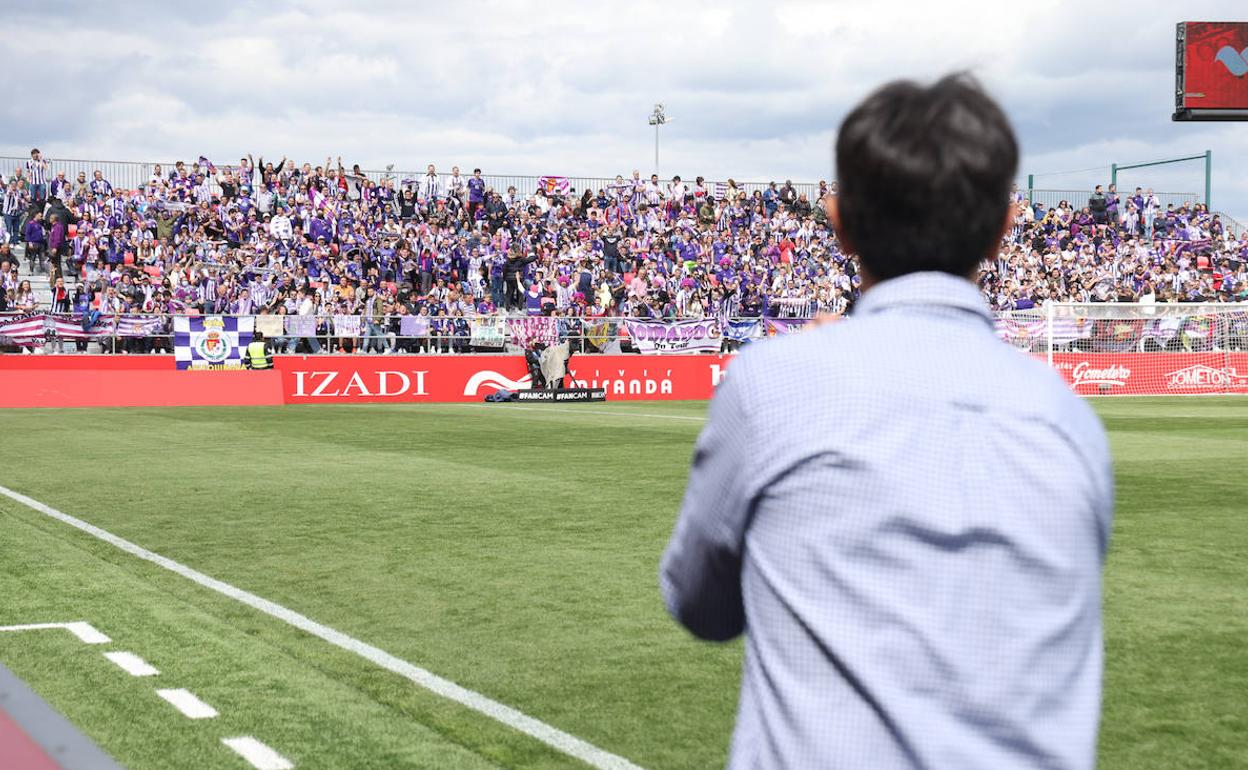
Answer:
(35, 381)
(1212, 63)
(396, 379)
(1153, 374)
(60, 381)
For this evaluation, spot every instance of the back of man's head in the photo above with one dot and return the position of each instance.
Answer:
(924, 175)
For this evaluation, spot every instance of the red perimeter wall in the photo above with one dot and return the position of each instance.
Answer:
(51, 381)
(58, 381)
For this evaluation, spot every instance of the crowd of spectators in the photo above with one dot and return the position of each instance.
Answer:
(262, 237)
(1116, 248)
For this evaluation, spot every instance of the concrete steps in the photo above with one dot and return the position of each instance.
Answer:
(40, 282)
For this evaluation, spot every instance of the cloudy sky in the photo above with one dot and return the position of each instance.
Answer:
(754, 90)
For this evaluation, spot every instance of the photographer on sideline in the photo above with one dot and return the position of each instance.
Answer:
(258, 355)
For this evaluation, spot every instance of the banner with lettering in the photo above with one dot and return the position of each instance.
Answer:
(785, 325)
(526, 331)
(700, 336)
(22, 329)
(211, 342)
(300, 326)
(347, 325)
(488, 333)
(31, 329)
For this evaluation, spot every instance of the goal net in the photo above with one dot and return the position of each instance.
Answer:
(1106, 349)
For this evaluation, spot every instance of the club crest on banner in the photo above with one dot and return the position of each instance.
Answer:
(211, 342)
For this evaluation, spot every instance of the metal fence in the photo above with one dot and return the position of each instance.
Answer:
(135, 333)
(1079, 198)
(133, 174)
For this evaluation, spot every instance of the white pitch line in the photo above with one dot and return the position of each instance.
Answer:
(132, 664)
(621, 413)
(186, 702)
(86, 633)
(534, 728)
(260, 756)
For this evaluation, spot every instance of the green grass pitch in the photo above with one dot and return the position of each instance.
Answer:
(513, 550)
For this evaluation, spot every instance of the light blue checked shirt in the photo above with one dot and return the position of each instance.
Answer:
(908, 518)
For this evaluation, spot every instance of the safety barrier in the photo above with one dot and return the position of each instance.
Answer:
(86, 381)
(113, 381)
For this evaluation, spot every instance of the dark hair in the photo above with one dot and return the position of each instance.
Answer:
(925, 176)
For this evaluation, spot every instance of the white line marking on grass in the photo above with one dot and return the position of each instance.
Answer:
(534, 728)
(621, 413)
(86, 633)
(186, 702)
(132, 664)
(260, 756)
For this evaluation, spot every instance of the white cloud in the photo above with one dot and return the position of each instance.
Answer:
(754, 90)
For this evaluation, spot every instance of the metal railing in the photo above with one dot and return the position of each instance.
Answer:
(1031, 330)
(148, 333)
(133, 174)
(1079, 198)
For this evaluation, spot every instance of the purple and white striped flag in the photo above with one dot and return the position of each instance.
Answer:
(211, 342)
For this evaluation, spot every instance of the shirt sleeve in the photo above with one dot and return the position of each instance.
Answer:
(700, 576)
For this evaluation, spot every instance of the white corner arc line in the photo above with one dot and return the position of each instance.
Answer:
(186, 702)
(534, 728)
(259, 755)
(86, 633)
(132, 664)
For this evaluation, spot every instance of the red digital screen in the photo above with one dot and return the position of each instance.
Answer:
(1215, 65)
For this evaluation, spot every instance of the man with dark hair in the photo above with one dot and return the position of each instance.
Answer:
(907, 518)
(1099, 206)
(257, 355)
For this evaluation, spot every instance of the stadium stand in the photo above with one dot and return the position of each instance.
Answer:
(257, 238)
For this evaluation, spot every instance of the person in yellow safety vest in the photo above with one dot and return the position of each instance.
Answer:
(257, 355)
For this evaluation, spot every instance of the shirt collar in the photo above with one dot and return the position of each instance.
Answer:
(924, 289)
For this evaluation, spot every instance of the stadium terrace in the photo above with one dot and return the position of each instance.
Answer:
(414, 260)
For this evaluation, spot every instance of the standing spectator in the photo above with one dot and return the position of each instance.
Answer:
(36, 241)
(37, 174)
(307, 307)
(374, 322)
(13, 203)
(457, 186)
(62, 302)
(771, 200)
(1099, 206)
(512, 274)
(476, 193)
(429, 190)
(56, 244)
(1152, 206)
(100, 186)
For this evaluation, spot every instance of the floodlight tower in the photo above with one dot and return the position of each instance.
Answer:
(657, 118)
